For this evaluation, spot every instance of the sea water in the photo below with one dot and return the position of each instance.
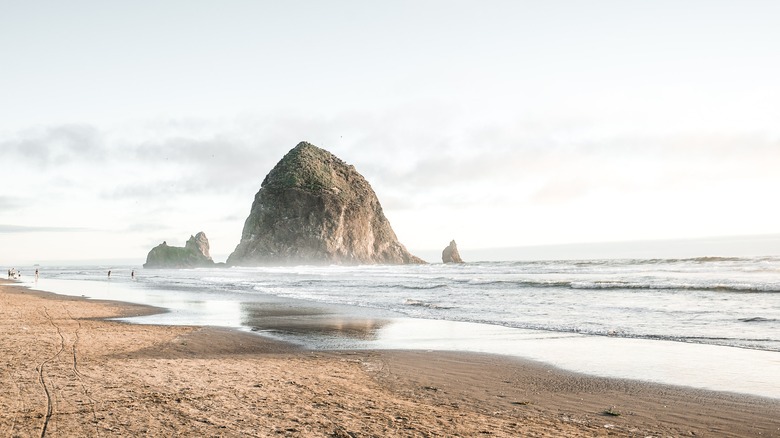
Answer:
(706, 322)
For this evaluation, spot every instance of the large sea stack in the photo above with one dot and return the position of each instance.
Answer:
(195, 254)
(313, 208)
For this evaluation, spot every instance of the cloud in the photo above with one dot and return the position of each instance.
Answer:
(220, 161)
(13, 229)
(8, 203)
(555, 165)
(143, 227)
(46, 146)
(154, 190)
(79, 160)
(391, 148)
(447, 161)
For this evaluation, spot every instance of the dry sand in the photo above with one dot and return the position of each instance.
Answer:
(67, 372)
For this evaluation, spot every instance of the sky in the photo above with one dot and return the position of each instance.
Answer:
(494, 123)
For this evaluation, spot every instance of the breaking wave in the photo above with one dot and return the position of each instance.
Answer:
(618, 284)
(420, 303)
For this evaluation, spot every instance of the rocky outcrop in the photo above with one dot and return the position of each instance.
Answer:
(451, 254)
(313, 208)
(194, 254)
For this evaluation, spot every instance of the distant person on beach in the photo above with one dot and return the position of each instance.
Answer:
(132, 274)
(109, 274)
(36, 273)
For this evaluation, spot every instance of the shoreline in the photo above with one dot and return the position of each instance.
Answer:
(113, 377)
(322, 326)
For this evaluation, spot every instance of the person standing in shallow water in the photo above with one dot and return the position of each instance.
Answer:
(109, 274)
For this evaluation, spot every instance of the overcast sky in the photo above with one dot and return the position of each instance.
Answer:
(495, 123)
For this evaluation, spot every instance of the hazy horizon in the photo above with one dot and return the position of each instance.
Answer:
(722, 246)
(506, 124)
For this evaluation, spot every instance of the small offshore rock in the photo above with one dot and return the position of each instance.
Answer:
(450, 254)
(195, 254)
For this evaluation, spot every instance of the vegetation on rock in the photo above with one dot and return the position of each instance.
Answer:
(195, 253)
(313, 208)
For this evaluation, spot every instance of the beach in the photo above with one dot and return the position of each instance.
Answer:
(69, 372)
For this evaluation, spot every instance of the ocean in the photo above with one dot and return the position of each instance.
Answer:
(663, 320)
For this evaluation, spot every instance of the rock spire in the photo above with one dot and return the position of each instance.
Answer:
(451, 254)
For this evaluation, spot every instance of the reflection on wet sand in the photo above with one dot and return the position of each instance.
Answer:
(308, 322)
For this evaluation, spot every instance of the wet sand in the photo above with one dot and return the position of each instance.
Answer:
(68, 372)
